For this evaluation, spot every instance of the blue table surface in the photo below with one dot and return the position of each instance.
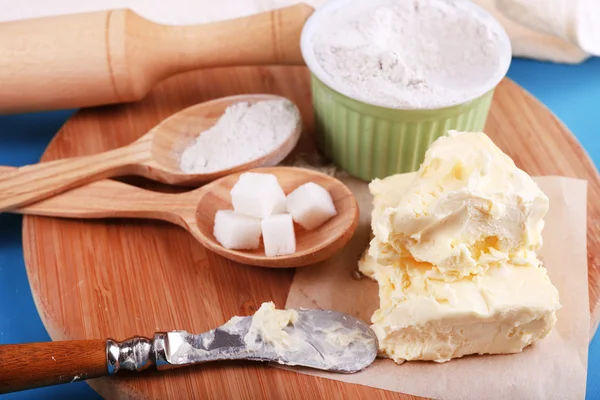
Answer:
(571, 91)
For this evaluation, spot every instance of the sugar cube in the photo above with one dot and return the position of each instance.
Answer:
(257, 195)
(236, 231)
(278, 235)
(310, 205)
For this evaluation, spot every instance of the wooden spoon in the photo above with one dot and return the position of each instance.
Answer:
(195, 212)
(155, 156)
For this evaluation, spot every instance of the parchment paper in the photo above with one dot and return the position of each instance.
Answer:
(554, 368)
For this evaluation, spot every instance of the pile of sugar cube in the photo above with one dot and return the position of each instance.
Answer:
(260, 207)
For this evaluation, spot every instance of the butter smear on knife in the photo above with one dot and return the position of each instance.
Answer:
(454, 254)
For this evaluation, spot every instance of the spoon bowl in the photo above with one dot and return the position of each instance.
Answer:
(311, 246)
(155, 156)
(174, 134)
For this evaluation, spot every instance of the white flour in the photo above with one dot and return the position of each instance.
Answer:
(244, 133)
(409, 53)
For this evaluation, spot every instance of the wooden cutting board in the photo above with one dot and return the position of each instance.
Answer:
(119, 278)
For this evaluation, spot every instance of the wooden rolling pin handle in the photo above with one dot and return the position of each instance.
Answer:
(35, 182)
(31, 365)
(117, 56)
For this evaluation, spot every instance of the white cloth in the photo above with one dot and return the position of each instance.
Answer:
(566, 31)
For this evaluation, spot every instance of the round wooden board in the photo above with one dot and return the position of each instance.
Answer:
(119, 278)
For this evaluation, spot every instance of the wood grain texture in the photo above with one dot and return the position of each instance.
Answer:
(35, 182)
(109, 57)
(195, 212)
(155, 155)
(31, 365)
(123, 278)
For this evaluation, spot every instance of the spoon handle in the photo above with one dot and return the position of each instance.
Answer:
(108, 57)
(35, 182)
(111, 199)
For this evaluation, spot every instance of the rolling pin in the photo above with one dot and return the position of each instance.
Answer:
(117, 56)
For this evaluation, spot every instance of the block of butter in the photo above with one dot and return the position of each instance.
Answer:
(454, 254)
(468, 206)
(501, 311)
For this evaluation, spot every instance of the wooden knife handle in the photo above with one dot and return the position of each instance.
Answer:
(27, 366)
(117, 56)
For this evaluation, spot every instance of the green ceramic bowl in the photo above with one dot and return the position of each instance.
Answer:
(370, 141)
(374, 142)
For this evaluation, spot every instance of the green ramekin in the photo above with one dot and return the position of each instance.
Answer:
(370, 141)
(374, 142)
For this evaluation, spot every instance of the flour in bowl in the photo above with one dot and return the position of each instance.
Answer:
(410, 53)
(244, 133)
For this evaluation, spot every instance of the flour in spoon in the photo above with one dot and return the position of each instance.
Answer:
(409, 53)
(245, 132)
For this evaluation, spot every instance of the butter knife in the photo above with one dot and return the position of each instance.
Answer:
(320, 339)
